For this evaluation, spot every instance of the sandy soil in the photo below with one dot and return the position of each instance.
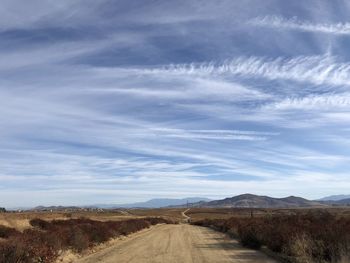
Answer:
(177, 243)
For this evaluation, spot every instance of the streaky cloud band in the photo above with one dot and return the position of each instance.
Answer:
(318, 70)
(293, 23)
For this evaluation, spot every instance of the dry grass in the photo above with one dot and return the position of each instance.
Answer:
(219, 213)
(20, 220)
(169, 213)
(225, 213)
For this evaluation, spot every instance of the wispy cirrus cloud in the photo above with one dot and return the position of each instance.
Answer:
(313, 69)
(294, 23)
(110, 101)
(326, 102)
(181, 88)
(215, 134)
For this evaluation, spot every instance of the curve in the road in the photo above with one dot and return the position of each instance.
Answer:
(186, 217)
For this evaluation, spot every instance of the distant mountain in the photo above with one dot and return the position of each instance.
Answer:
(153, 203)
(256, 201)
(244, 201)
(161, 202)
(334, 198)
(343, 201)
(18, 208)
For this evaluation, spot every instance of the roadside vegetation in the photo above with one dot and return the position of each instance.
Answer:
(45, 240)
(316, 236)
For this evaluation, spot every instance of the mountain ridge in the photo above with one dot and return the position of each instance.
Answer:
(152, 203)
(239, 201)
(334, 198)
(259, 201)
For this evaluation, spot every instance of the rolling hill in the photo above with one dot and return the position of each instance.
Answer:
(256, 201)
(343, 201)
(335, 198)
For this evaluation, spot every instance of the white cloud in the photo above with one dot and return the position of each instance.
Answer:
(313, 69)
(188, 90)
(214, 134)
(279, 22)
(19, 14)
(50, 54)
(144, 130)
(321, 183)
(327, 102)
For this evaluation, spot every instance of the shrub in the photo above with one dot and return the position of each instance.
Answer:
(46, 239)
(78, 239)
(42, 224)
(249, 237)
(158, 220)
(313, 237)
(301, 247)
(10, 252)
(6, 232)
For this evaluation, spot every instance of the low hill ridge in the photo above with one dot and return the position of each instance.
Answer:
(259, 201)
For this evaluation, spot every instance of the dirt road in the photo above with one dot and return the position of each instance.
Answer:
(177, 244)
(186, 217)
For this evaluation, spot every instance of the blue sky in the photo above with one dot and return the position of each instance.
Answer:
(122, 101)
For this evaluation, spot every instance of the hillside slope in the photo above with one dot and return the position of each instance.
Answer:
(256, 201)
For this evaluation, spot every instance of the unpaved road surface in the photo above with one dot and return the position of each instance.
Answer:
(177, 244)
(186, 217)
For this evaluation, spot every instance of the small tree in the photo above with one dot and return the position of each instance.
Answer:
(2, 210)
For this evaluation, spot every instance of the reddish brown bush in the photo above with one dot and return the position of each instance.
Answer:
(10, 252)
(322, 236)
(158, 220)
(6, 232)
(42, 243)
(78, 239)
(37, 222)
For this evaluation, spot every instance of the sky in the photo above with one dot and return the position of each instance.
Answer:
(122, 101)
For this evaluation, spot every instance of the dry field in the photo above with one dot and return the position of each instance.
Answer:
(20, 220)
(271, 228)
(226, 213)
(169, 213)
